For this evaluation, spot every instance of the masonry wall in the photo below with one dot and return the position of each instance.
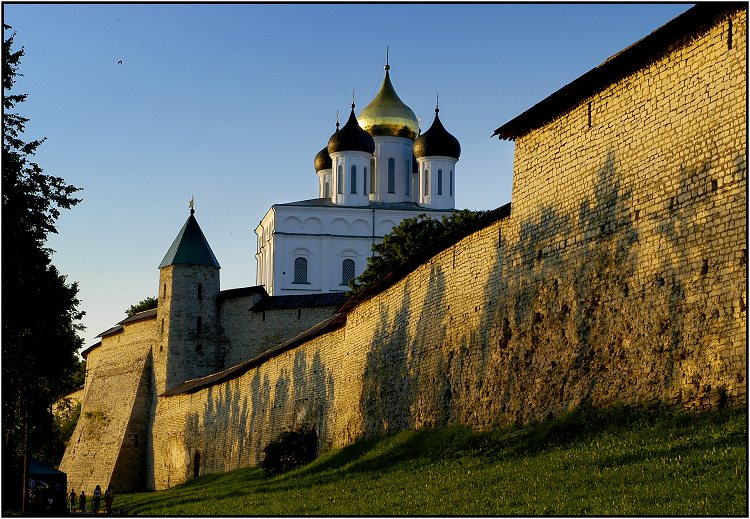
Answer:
(618, 277)
(248, 333)
(116, 407)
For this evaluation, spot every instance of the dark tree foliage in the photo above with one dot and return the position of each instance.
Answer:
(406, 240)
(142, 305)
(289, 450)
(40, 320)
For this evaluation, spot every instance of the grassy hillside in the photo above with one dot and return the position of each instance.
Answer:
(616, 461)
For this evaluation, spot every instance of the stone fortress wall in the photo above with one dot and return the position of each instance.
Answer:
(618, 276)
(111, 441)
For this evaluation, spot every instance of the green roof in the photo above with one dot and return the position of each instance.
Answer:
(190, 247)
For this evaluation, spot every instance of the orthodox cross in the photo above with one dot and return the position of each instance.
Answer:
(192, 204)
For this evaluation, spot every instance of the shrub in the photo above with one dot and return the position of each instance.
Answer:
(289, 450)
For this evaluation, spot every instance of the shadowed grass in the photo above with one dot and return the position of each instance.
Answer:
(617, 461)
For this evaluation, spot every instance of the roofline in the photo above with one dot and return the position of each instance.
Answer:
(85, 353)
(670, 36)
(191, 386)
(435, 248)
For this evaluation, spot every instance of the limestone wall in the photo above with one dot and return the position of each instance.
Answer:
(115, 410)
(618, 277)
(248, 333)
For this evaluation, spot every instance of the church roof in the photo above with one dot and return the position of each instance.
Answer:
(394, 206)
(190, 247)
(437, 142)
(387, 114)
(351, 138)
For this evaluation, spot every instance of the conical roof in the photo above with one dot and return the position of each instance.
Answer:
(387, 114)
(437, 142)
(351, 138)
(190, 247)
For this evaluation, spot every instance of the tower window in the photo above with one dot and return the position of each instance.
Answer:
(199, 325)
(300, 270)
(391, 175)
(354, 179)
(347, 271)
(372, 175)
(164, 291)
(440, 182)
(450, 179)
(407, 177)
(426, 182)
(200, 291)
(327, 189)
(340, 179)
(364, 181)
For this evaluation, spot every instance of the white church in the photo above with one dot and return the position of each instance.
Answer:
(377, 170)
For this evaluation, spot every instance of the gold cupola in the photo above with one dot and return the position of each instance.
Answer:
(387, 115)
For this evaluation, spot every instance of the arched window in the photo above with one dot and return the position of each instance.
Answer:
(391, 175)
(440, 182)
(300, 270)
(327, 189)
(347, 271)
(364, 181)
(354, 179)
(372, 175)
(407, 177)
(340, 179)
(426, 182)
(451, 183)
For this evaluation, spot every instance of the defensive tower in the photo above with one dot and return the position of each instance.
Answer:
(187, 318)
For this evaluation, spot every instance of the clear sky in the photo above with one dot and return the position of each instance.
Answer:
(230, 103)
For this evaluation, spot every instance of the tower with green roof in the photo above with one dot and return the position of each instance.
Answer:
(187, 314)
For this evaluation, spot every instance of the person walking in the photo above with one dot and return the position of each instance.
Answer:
(97, 499)
(82, 501)
(109, 496)
(72, 499)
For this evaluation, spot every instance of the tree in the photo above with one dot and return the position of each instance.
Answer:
(41, 320)
(141, 306)
(405, 241)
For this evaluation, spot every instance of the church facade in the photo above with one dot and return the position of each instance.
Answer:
(375, 171)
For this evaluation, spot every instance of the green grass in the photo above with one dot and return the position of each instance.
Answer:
(590, 462)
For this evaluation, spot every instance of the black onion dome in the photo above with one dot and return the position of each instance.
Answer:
(437, 141)
(351, 138)
(323, 160)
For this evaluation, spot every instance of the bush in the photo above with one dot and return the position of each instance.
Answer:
(289, 450)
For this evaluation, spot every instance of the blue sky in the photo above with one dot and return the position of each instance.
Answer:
(230, 103)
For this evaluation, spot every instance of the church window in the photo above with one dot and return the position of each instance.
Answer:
(347, 271)
(440, 183)
(391, 175)
(199, 325)
(364, 181)
(407, 177)
(327, 189)
(300, 270)
(450, 179)
(426, 182)
(164, 291)
(340, 179)
(372, 175)
(200, 291)
(354, 179)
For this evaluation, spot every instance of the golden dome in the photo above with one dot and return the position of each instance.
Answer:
(388, 115)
